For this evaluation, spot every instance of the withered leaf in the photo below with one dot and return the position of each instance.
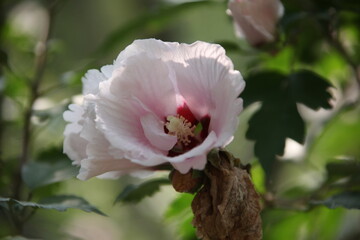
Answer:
(227, 207)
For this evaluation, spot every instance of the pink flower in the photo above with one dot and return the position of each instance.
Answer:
(255, 20)
(160, 102)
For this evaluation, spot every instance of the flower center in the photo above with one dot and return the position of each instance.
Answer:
(181, 128)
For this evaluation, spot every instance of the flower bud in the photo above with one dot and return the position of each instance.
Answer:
(188, 182)
(255, 20)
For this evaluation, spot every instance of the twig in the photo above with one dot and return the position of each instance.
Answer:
(40, 64)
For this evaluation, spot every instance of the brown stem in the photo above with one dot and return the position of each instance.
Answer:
(40, 64)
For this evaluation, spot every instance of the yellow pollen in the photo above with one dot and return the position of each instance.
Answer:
(181, 128)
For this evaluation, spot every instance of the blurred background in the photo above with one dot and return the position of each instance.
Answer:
(86, 34)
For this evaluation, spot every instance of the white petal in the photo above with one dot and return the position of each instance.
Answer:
(204, 66)
(149, 80)
(227, 107)
(75, 147)
(74, 114)
(154, 132)
(152, 47)
(197, 163)
(107, 70)
(140, 86)
(94, 77)
(91, 81)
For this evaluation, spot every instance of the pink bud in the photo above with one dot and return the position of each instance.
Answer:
(255, 20)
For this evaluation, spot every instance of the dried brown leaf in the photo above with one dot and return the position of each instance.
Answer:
(227, 207)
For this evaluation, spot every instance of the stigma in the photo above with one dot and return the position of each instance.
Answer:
(181, 128)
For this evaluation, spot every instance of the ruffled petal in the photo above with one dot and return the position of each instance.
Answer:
(151, 47)
(141, 86)
(75, 147)
(91, 81)
(227, 107)
(149, 80)
(204, 66)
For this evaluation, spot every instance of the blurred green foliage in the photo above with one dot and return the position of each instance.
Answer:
(303, 87)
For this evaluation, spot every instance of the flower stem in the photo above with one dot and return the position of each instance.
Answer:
(40, 64)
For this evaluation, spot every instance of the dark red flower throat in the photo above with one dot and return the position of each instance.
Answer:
(189, 131)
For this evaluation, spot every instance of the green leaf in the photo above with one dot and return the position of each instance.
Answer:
(304, 33)
(270, 126)
(340, 137)
(180, 213)
(320, 223)
(59, 203)
(52, 154)
(278, 117)
(181, 205)
(349, 200)
(135, 193)
(263, 86)
(38, 174)
(4, 61)
(15, 86)
(310, 89)
(341, 169)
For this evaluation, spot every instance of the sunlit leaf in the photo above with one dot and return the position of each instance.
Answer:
(186, 230)
(179, 212)
(179, 206)
(135, 193)
(340, 137)
(283, 225)
(258, 177)
(37, 174)
(59, 203)
(349, 200)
